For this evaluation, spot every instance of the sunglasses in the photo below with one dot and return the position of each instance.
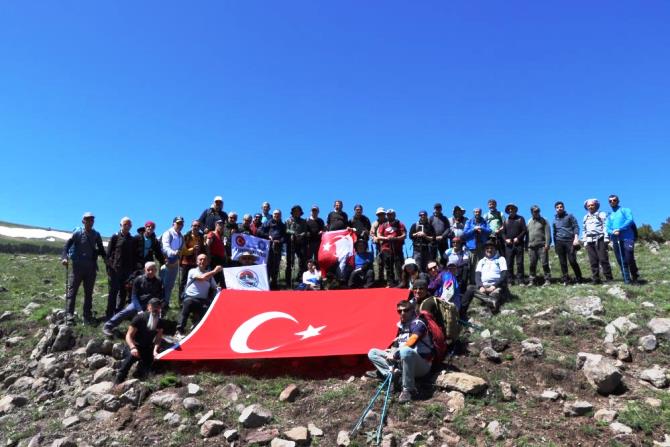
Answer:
(404, 311)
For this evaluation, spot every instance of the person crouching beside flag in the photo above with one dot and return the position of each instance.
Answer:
(199, 284)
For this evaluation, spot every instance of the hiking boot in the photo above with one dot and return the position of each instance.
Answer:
(596, 281)
(108, 331)
(374, 374)
(406, 396)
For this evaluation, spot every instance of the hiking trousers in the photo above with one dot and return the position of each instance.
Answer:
(626, 248)
(514, 255)
(599, 259)
(536, 254)
(566, 253)
(86, 273)
(411, 364)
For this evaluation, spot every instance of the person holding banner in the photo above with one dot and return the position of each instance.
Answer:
(199, 285)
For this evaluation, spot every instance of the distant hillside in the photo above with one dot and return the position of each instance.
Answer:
(18, 238)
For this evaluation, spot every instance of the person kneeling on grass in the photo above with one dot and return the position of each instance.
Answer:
(143, 338)
(145, 287)
(199, 284)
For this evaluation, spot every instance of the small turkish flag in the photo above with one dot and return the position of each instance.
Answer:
(337, 248)
(292, 324)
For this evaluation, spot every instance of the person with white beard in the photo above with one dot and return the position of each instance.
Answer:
(143, 338)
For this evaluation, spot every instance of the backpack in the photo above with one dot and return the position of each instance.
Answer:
(449, 312)
(436, 334)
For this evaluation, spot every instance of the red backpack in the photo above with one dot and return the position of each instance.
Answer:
(436, 334)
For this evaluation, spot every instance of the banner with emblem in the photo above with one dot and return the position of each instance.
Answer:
(242, 243)
(251, 277)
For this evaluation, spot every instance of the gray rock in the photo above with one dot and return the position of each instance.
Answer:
(97, 361)
(620, 429)
(660, 327)
(49, 366)
(35, 441)
(193, 389)
(30, 308)
(617, 292)
(507, 392)
(206, 417)
(22, 384)
(192, 404)
(10, 402)
(413, 439)
(13, 341)
(110, 402)
(585, 306)
(343, 438)
(261, 437)
(172, 419)
(164, 399)
(499, 344)
(577, 408)
(231, 392)
(621, 325)
(255, 416)
(99, 346)
(647, 343)
(6, 315)
(657, 376)
(211, 428)
(389, 440)
(105, 374)
(118, 351)
(70, 421)
(495, 430)
(490, 354)
(458, 381)
(103, 415)
(64, 442)
(289, 394)
(604, 415)
(277, 442)
(602, 374)
(314, 431)
(231, 435)
(623, 353)
(135, 394)
(532, 347)
(550, 395)
(300, 435)
(65, 339)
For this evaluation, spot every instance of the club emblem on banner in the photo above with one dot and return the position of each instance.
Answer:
(247, 278)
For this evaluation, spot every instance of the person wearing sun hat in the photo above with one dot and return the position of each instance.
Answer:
(514, 235)
(596, 239)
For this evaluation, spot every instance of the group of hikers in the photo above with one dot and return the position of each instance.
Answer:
(454, 259)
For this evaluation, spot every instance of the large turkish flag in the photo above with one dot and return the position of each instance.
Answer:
(292, 324)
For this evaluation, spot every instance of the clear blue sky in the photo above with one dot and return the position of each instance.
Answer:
(149, 109)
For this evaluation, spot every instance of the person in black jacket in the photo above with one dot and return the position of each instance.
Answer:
(316, 227)
(360, 223)
(440, 224)
(274, 230)
(148, 247)
(514, 235)
(337, 219)
(296, 245)
(422, 235)
(121, 263)
(566, 242)
(215, 212)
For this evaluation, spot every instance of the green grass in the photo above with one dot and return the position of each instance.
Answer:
(640, 416)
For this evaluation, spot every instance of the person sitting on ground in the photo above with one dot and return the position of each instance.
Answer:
(145, 287)
(443, 283)
(491, 281)
(596, 240)
(410, 273)
(363, 276)
(461, 257)
(444, 312)
(311, 278)
(197, 295)
(411, 351)
(143, 338)
(209, 217)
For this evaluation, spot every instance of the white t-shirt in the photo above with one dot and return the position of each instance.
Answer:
(198, 288)
(311, 278)
(491, 269)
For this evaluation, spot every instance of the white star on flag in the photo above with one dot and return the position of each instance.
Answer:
(311, 331)
(326, 246)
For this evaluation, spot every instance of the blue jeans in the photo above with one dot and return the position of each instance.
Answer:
(411, 364)
(626, 248)
(126, 313)
(168, 278)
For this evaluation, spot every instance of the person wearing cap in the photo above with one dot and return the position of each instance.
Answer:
(210, 215)
(194, 244)
(440, 224)
(460, 257)
(495, 221)
(363, 276)
(374, 230)
(297, 234)
(315, 227)
(360, 223)
(246, 258)
(145, 287)
(422, 235)
(143, 338)
(216, 249)
(337, 219)
(121, 263)
(83, 249)
(539, 240)
(514, 235)
(147, 246)
(410, 273)
(620, 227)
(265, 212)
(391, 237)
(171, 244)
(566, 242)
(596, 240)
(490, 281)
(200, 286)
(457, 222)
(274, 230)
(475, 235)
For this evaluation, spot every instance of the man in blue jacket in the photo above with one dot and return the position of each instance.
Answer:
(475, 234)
(620, 227)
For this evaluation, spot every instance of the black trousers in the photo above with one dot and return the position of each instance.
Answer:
(566, 253)
(514, 255)
(599, 259)
(191, 306)
(422, 255)
(392, 267)
(118, 293)
(146, 360)
(86, 273)
(183, 276)
(274, 259)
(362, 279)
(295, 250)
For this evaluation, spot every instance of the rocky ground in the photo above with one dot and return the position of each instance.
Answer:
(577, 365)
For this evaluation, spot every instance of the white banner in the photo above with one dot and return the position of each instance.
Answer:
(251, 277)
(241, 243)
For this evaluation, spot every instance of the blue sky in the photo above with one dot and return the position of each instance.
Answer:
(149, 109)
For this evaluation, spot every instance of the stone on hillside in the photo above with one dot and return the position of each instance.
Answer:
(65, 339)
(13, 341)
(35, 441)
(298, 434)
(261, 437)
(577, 408)
(490, 354)
(211, 428)
(97, 361)
(192, 404)
(664, 443)
(507, 392)
(647, 343)
(450, 438)
(495, 430)
(205, 417)
(485, 334)
(623, 353)
(454, 404)
(660, 327)
(621, 325)
(99, 346)
(193, 389)
(389, 440)
(49, 366)
(458, 381)
(314, 431)
(110, 402)
(69, 422)
(343, 439)
(544, 313)
(172, 419)
(657, 376)
(64, 442)
(617, 292)
(99, 388)
(255, 416)
(532, 347)
(164, 399)
(582, 357)
(30, 308)
(602, 374)
(10, 402)
(498, 343)
(104, 374)
(6, 315)
(620, 429)
(585, 305)
(413, 439)
(604, 415)
(22, 384)
(135, 394)
(231, 435)
(289, 394)
(278, 442)
(231, 392)
(118, 351)
(550, 395)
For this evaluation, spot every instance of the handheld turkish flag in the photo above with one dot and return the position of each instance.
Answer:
(337, 248)
(292, 324)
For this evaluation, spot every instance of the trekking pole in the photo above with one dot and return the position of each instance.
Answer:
(360, 420)
(622, 261)
(472, 325)
(384, 409)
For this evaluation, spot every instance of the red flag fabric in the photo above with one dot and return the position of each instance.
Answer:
(292, 324)
(337, 248)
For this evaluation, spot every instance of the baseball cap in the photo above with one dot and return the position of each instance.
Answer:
(178, 219)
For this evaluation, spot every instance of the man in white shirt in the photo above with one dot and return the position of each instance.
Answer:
(490, 280)
(171, 244)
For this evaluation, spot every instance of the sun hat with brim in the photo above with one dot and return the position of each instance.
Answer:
(511, 205)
